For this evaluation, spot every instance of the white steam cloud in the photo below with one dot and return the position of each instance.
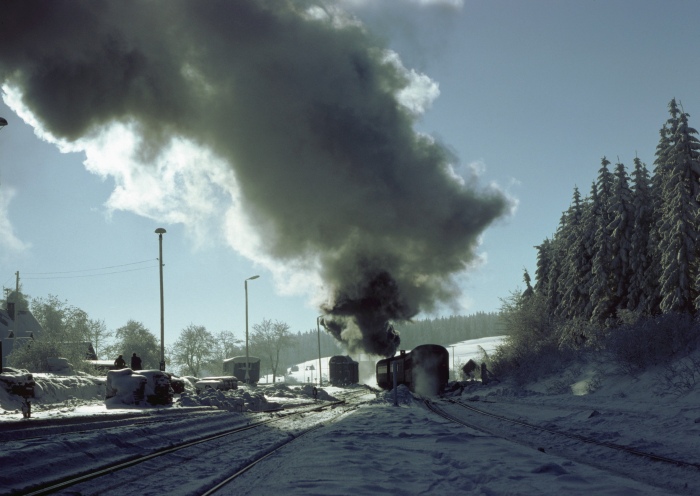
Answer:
(9, 242)
(282, 123)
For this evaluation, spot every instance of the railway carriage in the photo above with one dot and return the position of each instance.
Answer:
(343, 371)
(236, 366)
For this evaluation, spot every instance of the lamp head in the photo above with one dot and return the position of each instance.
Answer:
(160, 230)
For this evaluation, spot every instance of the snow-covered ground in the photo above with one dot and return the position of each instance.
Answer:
(386, 449)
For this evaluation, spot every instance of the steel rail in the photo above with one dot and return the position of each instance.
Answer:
(60, 484)
(618, 447)
(231, 478)
(243, 470)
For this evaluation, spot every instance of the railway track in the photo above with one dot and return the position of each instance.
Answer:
(262, 457)
(42, 428)
(568, 445)
(241, 446)
(626, 449)
(230, 479)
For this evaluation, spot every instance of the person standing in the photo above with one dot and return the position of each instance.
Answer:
(135, 362)
(26, 408)
(119, 363)
(484, 374)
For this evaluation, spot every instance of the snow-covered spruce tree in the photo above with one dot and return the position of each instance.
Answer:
(554, 278)
(544, 257)
(643, 280)
(621, 210)
(576, 263)
(547, 274)
(662, 164)
(601, 290)
(686, 156)
(529, 290)
(587, 240)
(678, 225)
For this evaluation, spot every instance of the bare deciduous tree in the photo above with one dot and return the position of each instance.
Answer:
(226, 345)
(193, 348)
(268, 340)
(99, 335)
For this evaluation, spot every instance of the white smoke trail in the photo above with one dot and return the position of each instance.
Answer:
(283, 125)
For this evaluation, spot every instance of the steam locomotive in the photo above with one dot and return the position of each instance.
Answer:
(424, 370)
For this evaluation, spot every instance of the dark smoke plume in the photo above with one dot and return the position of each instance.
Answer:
(300, 103)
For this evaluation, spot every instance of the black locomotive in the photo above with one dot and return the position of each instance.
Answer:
(424, 370)
(343, 371)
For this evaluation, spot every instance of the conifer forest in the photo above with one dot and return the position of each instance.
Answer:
(621, 274)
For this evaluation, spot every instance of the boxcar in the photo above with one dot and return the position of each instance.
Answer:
(343, 371)
(236, 366)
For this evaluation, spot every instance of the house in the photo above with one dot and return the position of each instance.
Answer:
(16, 329)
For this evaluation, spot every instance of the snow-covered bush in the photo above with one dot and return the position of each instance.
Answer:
(539, 343)
(290, 379)
(652, 340)
(680, 376)
(531, 349)
(581, 334)
(39, 356)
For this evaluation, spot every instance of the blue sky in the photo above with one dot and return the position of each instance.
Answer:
(532, 95)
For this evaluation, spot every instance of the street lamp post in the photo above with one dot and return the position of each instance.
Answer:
(318, 328)
(3, 123)
(160, 231)
(247, 359)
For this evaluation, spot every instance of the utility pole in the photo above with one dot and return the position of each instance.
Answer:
(3, 123)
(15, 317)
(160, 231)
(247, 356)
(318, 329)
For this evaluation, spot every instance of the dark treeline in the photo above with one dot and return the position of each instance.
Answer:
(632, 244)
(305, 347)
(449, 330)
(445, 330)
(621, 274)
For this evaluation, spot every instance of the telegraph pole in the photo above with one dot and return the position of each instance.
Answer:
(3, 123)
(16, 315)
(160, 231)
(318, 329)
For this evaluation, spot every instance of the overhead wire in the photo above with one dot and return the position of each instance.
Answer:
(8, 280)
(73, 274)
